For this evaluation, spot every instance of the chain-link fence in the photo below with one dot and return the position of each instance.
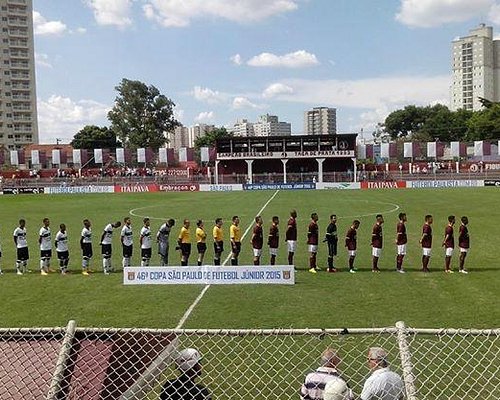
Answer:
(84, 363)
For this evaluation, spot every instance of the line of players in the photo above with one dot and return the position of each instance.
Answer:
(257, 242)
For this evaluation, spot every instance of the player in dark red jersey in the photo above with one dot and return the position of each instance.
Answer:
(257, 240)
(463, 243)
(377, 242)
(291, 236)
(351, 244)
(448, 244)
(426, 242)
(273, 240)
(312, 241)
(401, 240)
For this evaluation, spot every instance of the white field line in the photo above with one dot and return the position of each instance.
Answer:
(200, 296)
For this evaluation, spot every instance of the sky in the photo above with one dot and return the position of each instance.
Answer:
(224, 60)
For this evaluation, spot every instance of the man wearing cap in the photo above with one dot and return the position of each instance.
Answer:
(315, 382)
(383, 384)
(184, 387)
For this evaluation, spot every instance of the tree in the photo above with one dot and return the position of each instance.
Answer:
(403, 123)
(209, 139)
(95, 137)
(141, 115)
(485, 124)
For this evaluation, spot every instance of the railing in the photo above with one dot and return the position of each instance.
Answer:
(92, 363)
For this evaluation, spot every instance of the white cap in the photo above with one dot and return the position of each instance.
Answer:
(336, 389)
(187, 359)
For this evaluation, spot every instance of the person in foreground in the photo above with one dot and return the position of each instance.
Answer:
(326, 382)
(382, 384)
(184, 387)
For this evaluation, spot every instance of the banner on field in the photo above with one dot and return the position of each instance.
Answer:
(78, 189)
(221, 188)
(23, 190)
(492, 182)
(194, 187)
(279, 186)
(136, 188)
(383, 185)
(444, 184)
(210, 275)
(338, 185)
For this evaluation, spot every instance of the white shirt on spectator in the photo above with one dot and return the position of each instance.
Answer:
(383, 384)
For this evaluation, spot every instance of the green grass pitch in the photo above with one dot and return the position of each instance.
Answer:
(320, 301)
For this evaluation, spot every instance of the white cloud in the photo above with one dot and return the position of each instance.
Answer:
(207, 95)
(42, 27)
(81, 30)
(376, 97)
(236, 59)
(42, 60)
(178, 114)
(179, 13)
(494, 14)
(297, 59)
(243, 102)
(61, 117)
(276, 89)
(205, 116)
(111, 12)
(368, 93)
(429, 13)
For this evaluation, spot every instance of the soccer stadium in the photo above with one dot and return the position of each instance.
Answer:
(152, 260)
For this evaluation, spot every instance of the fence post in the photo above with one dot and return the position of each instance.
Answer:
(62, 359)
(405, 355)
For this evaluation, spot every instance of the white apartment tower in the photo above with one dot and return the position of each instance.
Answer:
(320, 121)
(269, 125)
(476, 69)
(18, 113)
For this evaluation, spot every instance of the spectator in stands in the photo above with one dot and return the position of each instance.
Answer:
(382, 384)
(184, 387)
(314, 386)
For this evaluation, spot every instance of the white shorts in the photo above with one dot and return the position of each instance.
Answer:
(449, 251)
(351, 253)
(426, 251)
(292, 246)
(401, 249)
(273, 251)
(463, 250)
(376, 252)
(313, 248)
(257, 252)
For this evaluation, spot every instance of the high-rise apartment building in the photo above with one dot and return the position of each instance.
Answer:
(320, 121)
(18, 114)
(476, 69)
(268, 125)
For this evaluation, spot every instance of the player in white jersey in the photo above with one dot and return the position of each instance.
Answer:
(146, 243)
(21, 247)
(127, 240)
(61, 243)
(45, 241)
(86, 246)
(106, 246)
(162, 238)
